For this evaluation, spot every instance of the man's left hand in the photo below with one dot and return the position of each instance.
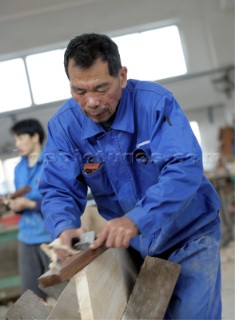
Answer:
(116, 233)
(21, 203)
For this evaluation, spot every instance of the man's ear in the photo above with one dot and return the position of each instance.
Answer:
(123, 76)
(36, 137)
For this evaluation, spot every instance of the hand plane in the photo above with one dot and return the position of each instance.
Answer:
(80, 256)
(84, 242)
(77, 245)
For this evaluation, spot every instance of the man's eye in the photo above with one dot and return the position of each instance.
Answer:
(101, 89)
(79, 92)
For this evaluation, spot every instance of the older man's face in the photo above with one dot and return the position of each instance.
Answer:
(95, 90)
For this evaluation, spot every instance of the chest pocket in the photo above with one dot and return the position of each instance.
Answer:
(98, 180)
(145, 169)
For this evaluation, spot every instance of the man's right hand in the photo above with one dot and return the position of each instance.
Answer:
(116, 233)
(66, 237)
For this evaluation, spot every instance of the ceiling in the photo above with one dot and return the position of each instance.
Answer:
(207, 31)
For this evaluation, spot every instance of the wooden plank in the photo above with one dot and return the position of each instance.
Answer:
(153, 290)
(92, 220)
(104, 286)
(29, 306)
(20, 192)
(69, 267)
(66, 306)
(100, 290)
(55, 290)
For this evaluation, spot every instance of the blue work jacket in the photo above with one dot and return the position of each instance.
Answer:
(31, 225)
(150, 169)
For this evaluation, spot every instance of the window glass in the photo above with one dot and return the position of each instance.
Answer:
(149, 55)
(14, 86)
(195, 127)
(47, 76)
(152, 55)
(2, 180)
(8, 167)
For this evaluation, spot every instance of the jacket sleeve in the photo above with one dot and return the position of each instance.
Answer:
(177, 155)
(64, 194)
(21, 179)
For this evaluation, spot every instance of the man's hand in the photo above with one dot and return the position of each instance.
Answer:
(66, 240)
(21, 203)
(67, 235)
(116, 233)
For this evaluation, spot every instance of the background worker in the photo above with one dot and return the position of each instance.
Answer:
(29, 136)
(147, 177)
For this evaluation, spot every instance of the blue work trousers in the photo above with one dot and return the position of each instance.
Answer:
(197, 294)
(33, 262)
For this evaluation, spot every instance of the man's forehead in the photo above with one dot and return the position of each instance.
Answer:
(96, 65)
(95, 76)
(89, 84)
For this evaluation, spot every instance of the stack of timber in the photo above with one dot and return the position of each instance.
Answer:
(108, 287)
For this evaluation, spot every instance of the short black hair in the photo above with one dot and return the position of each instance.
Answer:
(87, 48)
(28, 126)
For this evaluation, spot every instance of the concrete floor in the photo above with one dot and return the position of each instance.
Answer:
(228, 284)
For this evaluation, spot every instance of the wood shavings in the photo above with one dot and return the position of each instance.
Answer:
(49, 249)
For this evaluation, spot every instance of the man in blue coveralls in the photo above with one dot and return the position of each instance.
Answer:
(131, 143)
(29, 136)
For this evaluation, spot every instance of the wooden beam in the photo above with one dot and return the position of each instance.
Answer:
(104, 286)
(55, 290)
(153, 290)
(28, 306)
(91, 220)
(69, 267)
(66, 306)
(100, 290)
(108, 288)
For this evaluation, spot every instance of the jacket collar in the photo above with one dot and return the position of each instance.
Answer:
(124, 120)
(24, 159)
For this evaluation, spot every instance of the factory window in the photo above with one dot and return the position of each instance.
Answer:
(47, 77)
(2, 180)
(152, 55)
(149, 55)
(14, 85)
(7, 182)
(195, 127)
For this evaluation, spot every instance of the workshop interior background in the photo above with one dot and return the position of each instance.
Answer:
(33, 37)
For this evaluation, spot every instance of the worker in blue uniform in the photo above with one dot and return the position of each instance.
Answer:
(132, 145)
(33, 262)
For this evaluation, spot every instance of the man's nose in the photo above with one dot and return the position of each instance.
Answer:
(92, 101)
(17, 143)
